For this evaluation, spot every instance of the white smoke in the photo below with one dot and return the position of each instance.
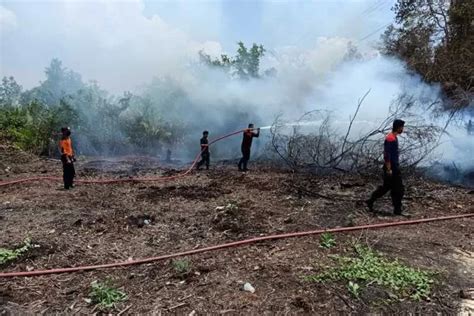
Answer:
(8, 20)
(123, 47)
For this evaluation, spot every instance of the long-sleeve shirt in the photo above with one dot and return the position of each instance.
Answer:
(391, 151)
(204, 145)
(248, 136)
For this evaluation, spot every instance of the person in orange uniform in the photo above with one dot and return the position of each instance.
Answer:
(67, 158)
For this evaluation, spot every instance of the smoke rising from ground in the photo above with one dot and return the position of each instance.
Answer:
(127, 47)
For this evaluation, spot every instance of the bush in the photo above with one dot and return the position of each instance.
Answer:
(8, 255)
(371, 268)
(106, 296)
(32, 127)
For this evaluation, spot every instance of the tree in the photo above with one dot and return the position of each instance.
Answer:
(247, 62)
(435, 38)
(60, 82)
(10, 92)
(245, 65)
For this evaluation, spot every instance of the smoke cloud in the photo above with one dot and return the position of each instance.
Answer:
(149, 47)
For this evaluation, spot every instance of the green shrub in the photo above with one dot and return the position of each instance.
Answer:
(32, 127)
(327, 240)
(106, 296)
(182, 267)
(7, 255)
(370, 267)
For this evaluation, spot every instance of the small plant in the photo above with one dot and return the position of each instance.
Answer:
(7, 255)
(327, 240)
(106, 296)
(370, 267)
(231, 206)
(182, 267)
(353, 289)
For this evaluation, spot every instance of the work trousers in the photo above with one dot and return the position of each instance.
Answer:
(245, 158)
(68, 172)
(394, 184)
(205, 159)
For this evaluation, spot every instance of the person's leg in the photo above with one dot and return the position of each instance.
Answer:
(380, 191)
(397, 194)
(68, 175)
(241, 161)
(199, 164)
(246, 159)
(73, 174)
(65, 179)
(208, 161)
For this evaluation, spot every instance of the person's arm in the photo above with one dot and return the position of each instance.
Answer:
(389, 151)
(258, 133)
(204, 144)
(73, 157)
(60, 147)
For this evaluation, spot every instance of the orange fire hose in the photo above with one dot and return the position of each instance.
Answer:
(106, 181)
(227, 245)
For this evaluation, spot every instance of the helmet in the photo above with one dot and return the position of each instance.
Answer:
(66, 130)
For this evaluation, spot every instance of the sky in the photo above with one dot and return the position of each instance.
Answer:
(124, 44)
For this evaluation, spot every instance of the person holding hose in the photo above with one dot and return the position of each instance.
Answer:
(249, 134)
(392, 178)
(67, 158)
(205, 153)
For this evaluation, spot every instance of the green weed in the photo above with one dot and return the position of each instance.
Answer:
(370, 267)
(106, 296)
(7, 255)
(232, 206)
(353, 288)
(327, 240)
(182, 267)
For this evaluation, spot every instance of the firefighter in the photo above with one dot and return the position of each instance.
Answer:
(249, 134)
(392, 178)
(67, 157)
(205, 154)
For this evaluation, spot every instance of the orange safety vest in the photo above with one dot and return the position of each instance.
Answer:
(65, 146)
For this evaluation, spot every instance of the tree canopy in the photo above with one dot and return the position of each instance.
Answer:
(436, 39)
(244, 65)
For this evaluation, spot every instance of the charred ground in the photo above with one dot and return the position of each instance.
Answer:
(95, 224)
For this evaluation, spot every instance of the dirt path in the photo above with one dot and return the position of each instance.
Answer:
(95, 224)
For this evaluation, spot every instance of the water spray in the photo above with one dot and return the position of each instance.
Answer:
(316, 122)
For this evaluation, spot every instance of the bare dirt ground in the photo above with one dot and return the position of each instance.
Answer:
(94, 224)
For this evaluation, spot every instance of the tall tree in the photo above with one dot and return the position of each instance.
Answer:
(60, 82)
(245, 65)
(435, 38)
(10, 92)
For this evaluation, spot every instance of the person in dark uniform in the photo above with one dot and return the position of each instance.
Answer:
(67, 158)
(249, 134)
(205, 154)
(392, 178)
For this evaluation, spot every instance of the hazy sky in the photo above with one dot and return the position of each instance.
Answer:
(123, 44)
